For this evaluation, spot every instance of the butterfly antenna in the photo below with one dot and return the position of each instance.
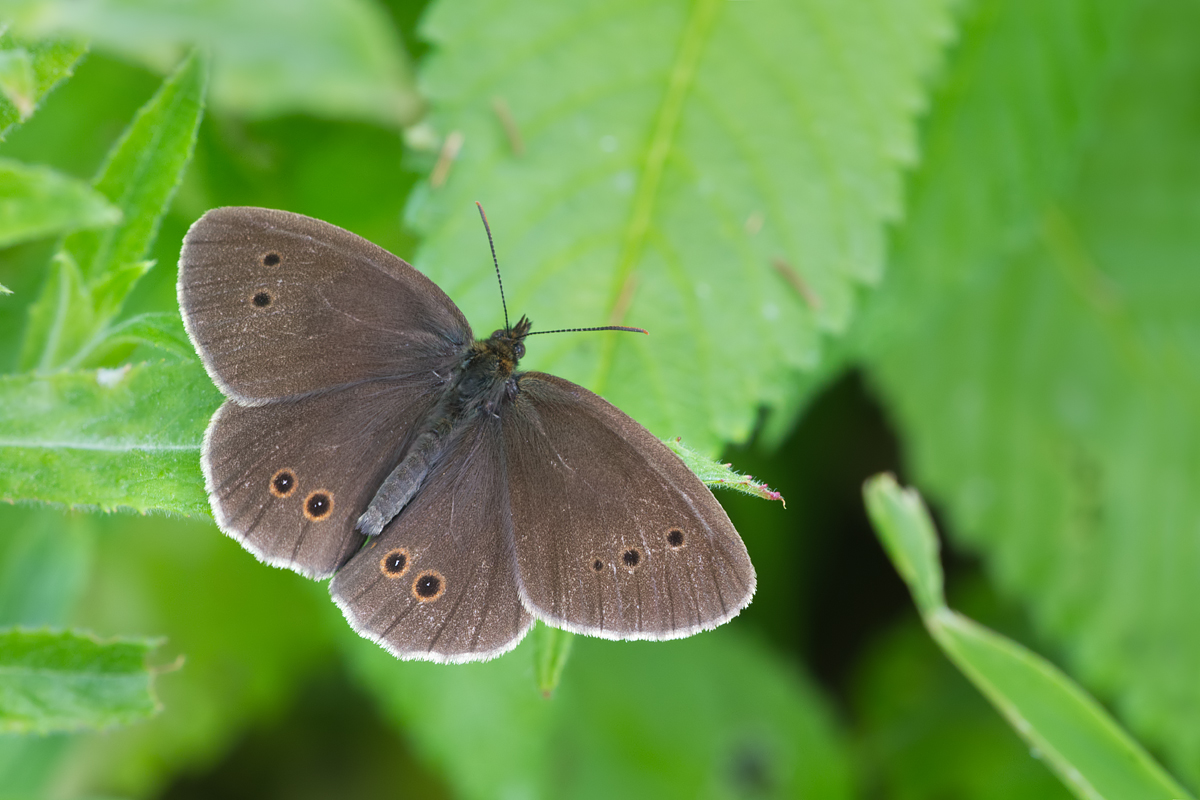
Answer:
(605, 328)
(508, 327)
(495, 261)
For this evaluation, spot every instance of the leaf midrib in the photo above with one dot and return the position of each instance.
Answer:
(696, 35)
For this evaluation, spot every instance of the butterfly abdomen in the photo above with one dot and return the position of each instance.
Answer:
(477, 387)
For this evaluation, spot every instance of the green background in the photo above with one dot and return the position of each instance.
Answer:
(956, 240)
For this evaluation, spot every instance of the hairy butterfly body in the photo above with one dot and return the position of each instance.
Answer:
(369, 436)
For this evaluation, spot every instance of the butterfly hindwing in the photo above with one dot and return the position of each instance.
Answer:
(614, 536)
(439, 583)
(289, 479)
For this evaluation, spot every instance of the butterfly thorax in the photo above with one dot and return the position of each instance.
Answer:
(487, 372)
(485, 379)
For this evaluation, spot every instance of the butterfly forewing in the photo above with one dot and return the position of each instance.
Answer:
(439, 583)
(614, 536)
(280, 305)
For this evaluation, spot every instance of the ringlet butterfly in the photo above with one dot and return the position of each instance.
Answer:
(369, 436)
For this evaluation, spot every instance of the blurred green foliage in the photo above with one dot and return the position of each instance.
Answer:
(955, 239)
(1062, 724)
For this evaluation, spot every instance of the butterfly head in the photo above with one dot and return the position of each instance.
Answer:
(509, 343)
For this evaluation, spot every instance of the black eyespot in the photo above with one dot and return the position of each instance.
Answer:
(271, 259)
(395, 563)
(675, 538)
(631, 557)
(318, 505)
(262, 300)
(597, 565)
(429, 585)
(283, 483)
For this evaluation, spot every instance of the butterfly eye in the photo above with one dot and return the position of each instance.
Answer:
(519, 350)
(318, 505)
(675, 538)
(429, 585)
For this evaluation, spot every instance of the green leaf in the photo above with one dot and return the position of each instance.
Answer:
(718, 475)
(925, 731)
(1048, 392)
(999, 142)
(254, 639)
(1092, 755)
(551, 649)
(38, 201)
(139, 177)
(338, 58)
(713, 715)
(63, 311)
(162, 330)
(46, 560)
(107, 438)
(725, 180)
(906, 530)
(1073, 733)
(143, 170)
(67, 681)
(16, 79)
(28, 71)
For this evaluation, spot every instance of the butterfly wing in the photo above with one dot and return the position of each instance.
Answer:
(289, 479)
(280, 305)
(439, 583)
(614, 536)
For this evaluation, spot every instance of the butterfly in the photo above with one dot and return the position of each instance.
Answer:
(369, 436)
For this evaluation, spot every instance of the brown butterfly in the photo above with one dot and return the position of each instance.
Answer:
(369, 436)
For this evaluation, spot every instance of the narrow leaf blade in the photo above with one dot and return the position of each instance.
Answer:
(62, 312)
(143, 170)
(37, 202)
(67, 680)
(33, 70)
(903, 525)
(1078, 739)
(717, 475)
(140, 176)
(162, 330)
(1088, 750)
(551, 649)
